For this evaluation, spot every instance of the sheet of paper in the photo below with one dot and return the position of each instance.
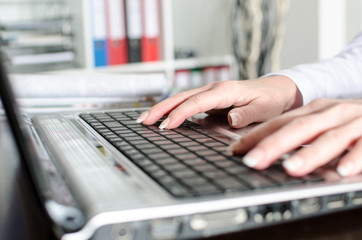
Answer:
(88, 85)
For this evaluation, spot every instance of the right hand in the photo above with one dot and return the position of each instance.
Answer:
(256, 100)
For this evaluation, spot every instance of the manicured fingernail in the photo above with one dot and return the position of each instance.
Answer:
(230, 149)
(253, 158)
(233, 146)
(142, 117)
(235, 119)
(164, 124)
(345, 169)
(293, 163)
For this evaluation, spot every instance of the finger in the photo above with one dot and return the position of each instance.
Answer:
(289, 137)
(159, 110)
(242, 116)
(260, 132)
(251, 112)
(214, 98)
(351, 163)
(325, 148)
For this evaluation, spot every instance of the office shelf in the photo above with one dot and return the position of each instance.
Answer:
(36, 35)
(215, 52)
(180, 23)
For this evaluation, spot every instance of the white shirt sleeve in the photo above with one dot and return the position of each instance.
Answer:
(337, 77)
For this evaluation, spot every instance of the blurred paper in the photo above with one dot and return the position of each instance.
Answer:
(88, 85)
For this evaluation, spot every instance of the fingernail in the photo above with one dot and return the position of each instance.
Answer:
(230, 149)
(253, 158)
(293, 163)
(164, 124)
(142, 117)
(345, 169)
(235, 119)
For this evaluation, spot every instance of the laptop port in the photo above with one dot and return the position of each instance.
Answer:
(309, 205)
(218, 220)
(286, 210)
(258, 218)
(122, 231)
(272, 213)
(162, 229)
(357, 198)
(336, 201)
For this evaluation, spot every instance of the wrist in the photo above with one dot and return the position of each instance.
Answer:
(296, 98)
(289, 90)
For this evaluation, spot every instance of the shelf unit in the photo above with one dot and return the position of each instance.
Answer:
(201, 26)
(175, 31)
(36, 35)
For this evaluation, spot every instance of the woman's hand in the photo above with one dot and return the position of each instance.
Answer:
(250, 101)
(328, 126)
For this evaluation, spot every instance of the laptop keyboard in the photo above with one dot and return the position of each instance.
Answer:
(187, 161)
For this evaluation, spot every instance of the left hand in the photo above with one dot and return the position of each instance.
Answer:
(328, 126)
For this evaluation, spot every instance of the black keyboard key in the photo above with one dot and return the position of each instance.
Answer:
(197, 148)
(207, 153)
(186, 156)
(185, 174)
(167, 180)
(215, 174)
(164, 161)
(178, 190)
(237, 169)
(175, 167)
(196, 181)
(150, 151)
(177, 151)
(231, 184)
(216, 158)
(194, 161)
(206, 189)
(143, 162)
(256, 180)
(152, 168)
(161, 155)
(204, 168)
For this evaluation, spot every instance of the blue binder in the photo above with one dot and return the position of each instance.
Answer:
(99, 32)
(100, 53)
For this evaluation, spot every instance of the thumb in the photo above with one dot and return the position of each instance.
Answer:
(242, 116)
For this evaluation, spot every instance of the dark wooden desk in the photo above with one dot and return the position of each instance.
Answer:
(20, 213)
(21, 216)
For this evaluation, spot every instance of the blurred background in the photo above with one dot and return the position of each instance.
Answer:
(191, 42)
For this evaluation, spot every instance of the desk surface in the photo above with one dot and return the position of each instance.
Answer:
(21, 216)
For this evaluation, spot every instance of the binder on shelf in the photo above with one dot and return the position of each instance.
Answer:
(224, 73)
(99, 32)
(116, 32)
(182, 79)
(210, 74)
(196, 79)
(151, 30)
(134, 30)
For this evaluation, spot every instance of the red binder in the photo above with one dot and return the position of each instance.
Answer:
(151, 30)
(116, 32)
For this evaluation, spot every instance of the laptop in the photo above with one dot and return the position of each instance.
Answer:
(101, 175)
